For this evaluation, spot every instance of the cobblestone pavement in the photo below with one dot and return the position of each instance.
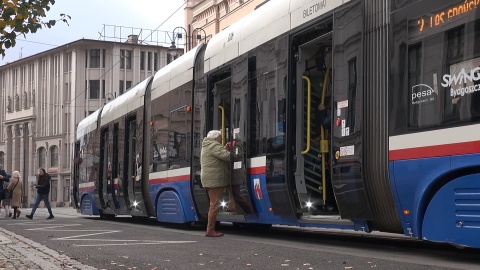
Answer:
(18, 252)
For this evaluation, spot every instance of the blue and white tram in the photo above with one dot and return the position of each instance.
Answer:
(398, 82)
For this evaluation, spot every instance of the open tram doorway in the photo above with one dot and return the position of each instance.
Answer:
(313, 117)
(228, 115)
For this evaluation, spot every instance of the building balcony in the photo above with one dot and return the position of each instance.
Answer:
(20, 115)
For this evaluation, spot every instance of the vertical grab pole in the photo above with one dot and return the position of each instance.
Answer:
(223, 124)
(309, 108)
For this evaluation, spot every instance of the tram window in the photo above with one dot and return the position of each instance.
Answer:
(180, 123)
(115, 153)
(462, 94)
(160, 138)
(415, 87)
(254, 127)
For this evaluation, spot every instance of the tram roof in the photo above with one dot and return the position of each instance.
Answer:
(175, 74)
(123, 104)
(271, 20)
(88, 124)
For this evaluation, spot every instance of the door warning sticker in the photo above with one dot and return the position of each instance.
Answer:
(347, 150)
(257, 189)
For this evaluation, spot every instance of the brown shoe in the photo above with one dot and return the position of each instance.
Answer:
(18, 213)
(214, 234)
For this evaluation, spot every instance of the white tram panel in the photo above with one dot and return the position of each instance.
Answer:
(175, 74)
(88, 124)
(266, 23)
(437, 137)
(223, 46)
(122, 105)
(269, 21)
(303, 11)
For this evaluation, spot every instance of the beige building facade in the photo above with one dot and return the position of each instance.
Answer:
(205, 18)
(46, 95)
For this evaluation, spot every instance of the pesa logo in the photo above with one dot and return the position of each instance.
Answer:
(422, 93)
(421, 90)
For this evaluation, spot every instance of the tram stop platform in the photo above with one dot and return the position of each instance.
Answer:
(18, 252)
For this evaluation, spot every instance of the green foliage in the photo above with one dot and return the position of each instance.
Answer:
(20, 17)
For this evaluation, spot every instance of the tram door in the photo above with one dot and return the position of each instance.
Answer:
(313, 100)
(220, 113)
(103, 169)
(130, 164)
(228, 115)
(106, 171)
(76, 175)
(347, 149)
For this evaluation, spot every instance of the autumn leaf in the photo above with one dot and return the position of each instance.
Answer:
(22, 17)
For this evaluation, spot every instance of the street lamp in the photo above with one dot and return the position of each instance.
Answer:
(177, 36)
(109, 97)
(199, 37)
(194, 34)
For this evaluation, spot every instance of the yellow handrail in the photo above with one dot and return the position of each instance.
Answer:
(223, 124)
(309, 107)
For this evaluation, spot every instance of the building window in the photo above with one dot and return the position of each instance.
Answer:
(142, 60)
(125, 59)
(53, 190)
(155, 61)
(94, 89)
(54, 156)
(149, 61)
(95, 58)
(121, 88)
(104, 52)
(41, 157)
(169, 58)
(66, 191)
(124, 86)
(103, 89)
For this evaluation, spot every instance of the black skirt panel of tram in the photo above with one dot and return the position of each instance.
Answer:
(93, 152)
(200, 98)
(347, 131)
(146, 144)
(375, 127)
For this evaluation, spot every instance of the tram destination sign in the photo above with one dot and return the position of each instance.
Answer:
(445, 15)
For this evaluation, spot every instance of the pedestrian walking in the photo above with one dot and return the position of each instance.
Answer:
(15, 187)
(43, 190)
(4, 178)
(6, 200)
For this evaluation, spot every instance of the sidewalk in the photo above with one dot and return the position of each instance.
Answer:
(18, 252)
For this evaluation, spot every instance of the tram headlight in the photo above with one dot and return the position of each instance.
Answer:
(135, 203)
(309, 204)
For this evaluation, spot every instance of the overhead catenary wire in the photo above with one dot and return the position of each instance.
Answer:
(41, 130)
